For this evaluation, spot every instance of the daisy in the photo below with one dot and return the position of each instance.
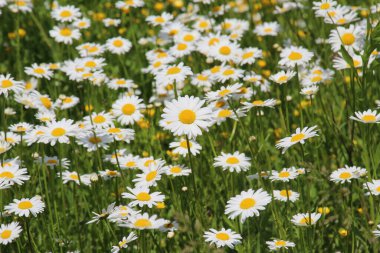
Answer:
(373, 187)
(298, 137)
(284, 175)
(305, 219)
(228, 74)
(4, 146)
(367, 117)
(247, 204)
(53, 161)
(173, 28)
(108, 22)
(83, 23)
(123, 244)
(9, 232)
(14, 174)
(259, 103)
(180, 147)
(66, 102)
(233, 162)
(223, 237)
(142, 196)
(225, 51)
(109, 174)
(73, 176)
(58, 131)
(128, 162)
(309, 91)
(221, 115)
(39, 71)
(94, 140)
(177, 170)
(99, 120)
(323, 7)
(120, 213)
(20, 127)
(90, 49)
(377, 232)
(282, 76)
(181, 49)
(103, 214)
(45, 116)
(347, 173)
(285, 195)
(10, 138)
(23, 6)
(143, 221)
(150, 176)
(203, 24)
(118, 45)
(4, 184)
(66, 13)
(65, 34)
(292, 56)
(7, 84)
(161, 20)
(351, 38)
(278, 244)
(127, 109)
(118, 83)
(25, 206)
(224, 92)
(173, 73)
(249, 55)
(267, 29)
(202, 80)
(121, 134)
(187, 116)
(124, 5)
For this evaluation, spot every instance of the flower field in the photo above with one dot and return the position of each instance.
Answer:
(189, 126)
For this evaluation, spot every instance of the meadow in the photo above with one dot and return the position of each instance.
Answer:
(189, 126)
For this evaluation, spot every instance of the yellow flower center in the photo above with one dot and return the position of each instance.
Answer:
(58, 132)
(247, 55)
(222, 236)
(282, 79)
(268, 30)
(159, 20)
(188, 37)
(294, 56)
(121, 82)
(117, 43)
(67, 100)
(284, 174)
(225, 50)
(187, 117)
(6, 84)
(345, 175)
(6, 234)
(26, 204)
(285, 193)
(130, 164)
(183, 144)
(128, 109)
(224, 92)
(90, 64)
(348, 39)
(297, 137)
(203, 24)
(258, 102)
(51, 161)
(202, 78)
(143, 196)
(7, 174)
(142, 223)
(181, 46)
(378, 189)
(224, 113)
(95, 140)
(66, 32)
(39, 71)
(247, 203)
(173, 70)
(232, 160)
(74, 177)
(325, 6)
(228, 72)
(65, 14)
(369, 118)
(151, 175)
(315, 79)
(280, 243)
(306, 220)
(114, 130)
(175, 170)
(98, 119)
(213, 41)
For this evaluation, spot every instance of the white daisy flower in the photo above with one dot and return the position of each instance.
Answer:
(143, 221)
(298, 137)
(277, 244)
(233, 162)
(65, 34)
(351, 38)
(347, 173)
(142, 196)
(123, 244)
(66, 13)
(284, 175)
(39, 71)
(14, 174)
(267, 29)
(292, 56)
(58, 131)
(7, 84)
(9, 232)
(247, 204)
(373, 187)
(305, 219)
(285, 195)
(180, 147)
(127, 109)
(367, 117)
(25, 206)
(177, 170)
(223, 237)
(118, 45)
(282, 76)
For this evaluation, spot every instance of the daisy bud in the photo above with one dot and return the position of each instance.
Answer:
(9, 111)
(170, 234)
(209, 60)
(184, 189)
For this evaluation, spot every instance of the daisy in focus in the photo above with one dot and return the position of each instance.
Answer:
(233, 162)
(298, 137)
(223, 237)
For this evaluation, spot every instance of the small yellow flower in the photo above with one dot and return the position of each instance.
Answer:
(343, 232)
(145, 153)
(324, 210)
(159, 6)
(88, 108)
(360, 210)
(161, 205)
